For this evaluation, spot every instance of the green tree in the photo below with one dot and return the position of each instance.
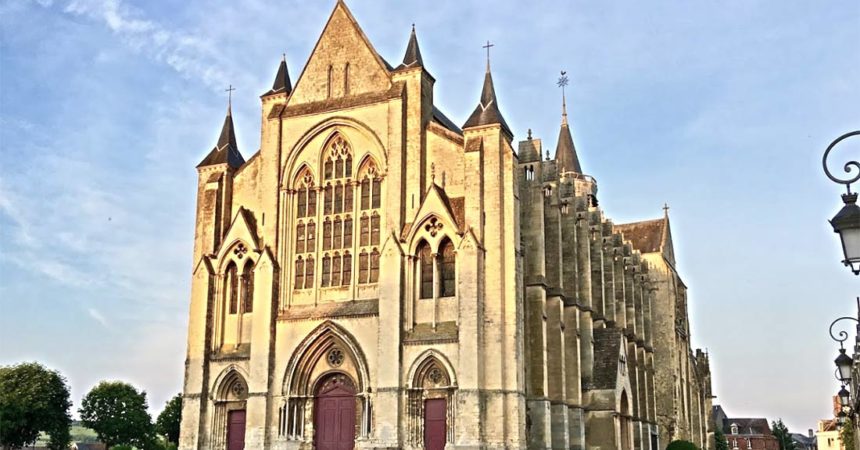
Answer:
(681, 445)
(720, 439)
(168, 421)
(846, 434)
(116, 411)
(782, 435)
(33, 399)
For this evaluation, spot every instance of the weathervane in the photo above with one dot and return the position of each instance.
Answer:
(562, 82)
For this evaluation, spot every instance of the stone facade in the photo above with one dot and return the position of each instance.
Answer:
(377, 269)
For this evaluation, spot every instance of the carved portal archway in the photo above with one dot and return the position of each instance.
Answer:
(328, 353)
(431, 401)
(229, 397)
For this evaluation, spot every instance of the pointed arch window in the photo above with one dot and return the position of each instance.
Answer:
(328, 88)
(335, 270)
(425, 263)
(346, 278)
(248, 288)
(374, 266)
(231, 287)
(346, 79)
(326, 271)
(447, 269)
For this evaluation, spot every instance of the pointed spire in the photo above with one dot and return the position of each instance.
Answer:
(282, 84)
(565, 152)
(412, 58)
(487, 112)
(226, 151)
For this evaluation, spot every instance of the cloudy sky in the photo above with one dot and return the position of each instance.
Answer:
(722, 109)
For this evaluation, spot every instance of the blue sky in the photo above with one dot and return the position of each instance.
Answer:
(721, 109)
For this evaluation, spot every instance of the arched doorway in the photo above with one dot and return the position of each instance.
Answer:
(624, 422)
(334, 413)
(430, 405)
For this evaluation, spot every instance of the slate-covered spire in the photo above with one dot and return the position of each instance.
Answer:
(487, 112)
(565, 152)
(226, 151)
(412, 58)
(282, 84)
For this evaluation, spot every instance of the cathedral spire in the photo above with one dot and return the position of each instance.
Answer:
(565, 152)
(282, 84)
(487, 112)
(413, 53)
(226, 151)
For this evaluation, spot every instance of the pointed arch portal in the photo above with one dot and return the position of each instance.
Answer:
(326, 398)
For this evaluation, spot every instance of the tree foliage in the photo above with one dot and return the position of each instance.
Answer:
(33, 399)
(846, 434)
(117, 412)
(782, 435)
(681, 445)
(169, 420)
(720, 438)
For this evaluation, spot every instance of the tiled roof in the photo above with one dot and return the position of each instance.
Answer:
(646, 236)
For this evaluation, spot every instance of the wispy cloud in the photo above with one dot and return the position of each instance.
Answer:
(98, 317)
(192, 57)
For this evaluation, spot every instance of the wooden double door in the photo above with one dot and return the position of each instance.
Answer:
(236, 430)
(435, 423)
(334, 416)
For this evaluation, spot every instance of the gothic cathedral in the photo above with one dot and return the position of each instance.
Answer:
(376, 276)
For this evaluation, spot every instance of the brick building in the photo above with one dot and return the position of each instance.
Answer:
(376, 276)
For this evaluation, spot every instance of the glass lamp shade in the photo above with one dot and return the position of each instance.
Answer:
(844, 397)
(847, 223)
(841, 417)
(843, 364)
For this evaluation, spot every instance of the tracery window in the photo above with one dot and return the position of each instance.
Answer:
(231, 287)
(305, 228)
(447, 269)
(248, 288)
(425, 262)
(338, 202)
(436, 270)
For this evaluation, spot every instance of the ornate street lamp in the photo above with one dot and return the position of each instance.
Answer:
(847, 221)
(844, 363)
(844, 397)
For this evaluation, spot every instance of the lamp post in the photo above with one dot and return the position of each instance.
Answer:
(847, 221)
(844, 367)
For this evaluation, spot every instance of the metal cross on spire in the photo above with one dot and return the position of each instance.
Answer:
(488, 46)
(666, 209)
(562, 82)
(229, 92)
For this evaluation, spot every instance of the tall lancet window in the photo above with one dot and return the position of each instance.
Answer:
(370, 222)
(248, 288)
(328, 85)
(305, 229)
(425, 269)
(231, 288)
(447, 269)
(337, 212)
(346, 79)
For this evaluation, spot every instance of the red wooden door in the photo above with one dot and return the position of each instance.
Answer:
(236, 430)
(335, 419)
(435, 423)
